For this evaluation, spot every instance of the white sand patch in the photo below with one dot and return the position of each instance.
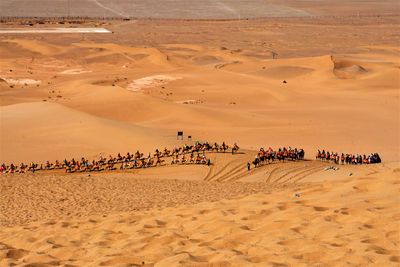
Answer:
(54, 30)
(12, 81)
(75, 71)
(150, 81)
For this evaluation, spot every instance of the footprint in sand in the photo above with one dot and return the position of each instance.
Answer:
(343, 211)
(245, 227)
(224, 213)
(394, 259)
(155, 224)
(160, 223)
(369, 241)
(336, 245)
(104, 243)
(291, 242)
(369, 226)
(378, 250)
(65, 224)
(232, 211)
(298, 257)
(329, 218)
(204, 211)
(277, 264)
(265, 212)
(16, 254)
(296, 229)
(119, 260)
(282, 207)
(320, 208)
(76, 243)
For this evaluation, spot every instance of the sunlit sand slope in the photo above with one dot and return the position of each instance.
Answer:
(341, 221)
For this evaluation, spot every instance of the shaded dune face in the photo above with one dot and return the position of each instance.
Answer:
(285, 72)
(207, 59)
(346, 69)
(349, 72)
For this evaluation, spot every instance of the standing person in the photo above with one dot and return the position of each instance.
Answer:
(248, 166)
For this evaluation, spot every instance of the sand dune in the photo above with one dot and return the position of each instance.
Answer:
(161, 186)
(259, 106)
(49, 128)
(314, 83)
(295, 225)
(38, 46)
(154, 56)
(284, 72)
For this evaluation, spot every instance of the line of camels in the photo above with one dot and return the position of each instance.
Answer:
(186, 154)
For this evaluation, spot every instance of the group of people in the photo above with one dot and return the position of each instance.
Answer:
(342, 158)
(186, 154)
(265, 156)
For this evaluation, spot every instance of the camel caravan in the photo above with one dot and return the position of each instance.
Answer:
(266, 156)
(354, 159)
(187, 154)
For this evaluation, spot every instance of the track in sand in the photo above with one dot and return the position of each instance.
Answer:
(166, 185)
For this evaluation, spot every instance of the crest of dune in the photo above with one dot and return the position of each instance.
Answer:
(39, 47)
(148, 55)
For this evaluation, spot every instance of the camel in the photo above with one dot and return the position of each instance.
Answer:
(138, 160)
(235, 149)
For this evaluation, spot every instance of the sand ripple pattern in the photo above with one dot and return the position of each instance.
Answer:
(345, 221)
(29, 198)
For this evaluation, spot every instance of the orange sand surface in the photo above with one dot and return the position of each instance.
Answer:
(130, 219)
(71, 96)
(314, 83)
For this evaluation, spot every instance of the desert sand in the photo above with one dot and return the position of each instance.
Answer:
(331, 81)
(293, 218)
(341, 91)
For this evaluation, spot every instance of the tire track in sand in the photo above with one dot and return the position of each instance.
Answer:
(287, 172)
(116, 12)
(235, 170)
(211, 175)
(306, 174)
